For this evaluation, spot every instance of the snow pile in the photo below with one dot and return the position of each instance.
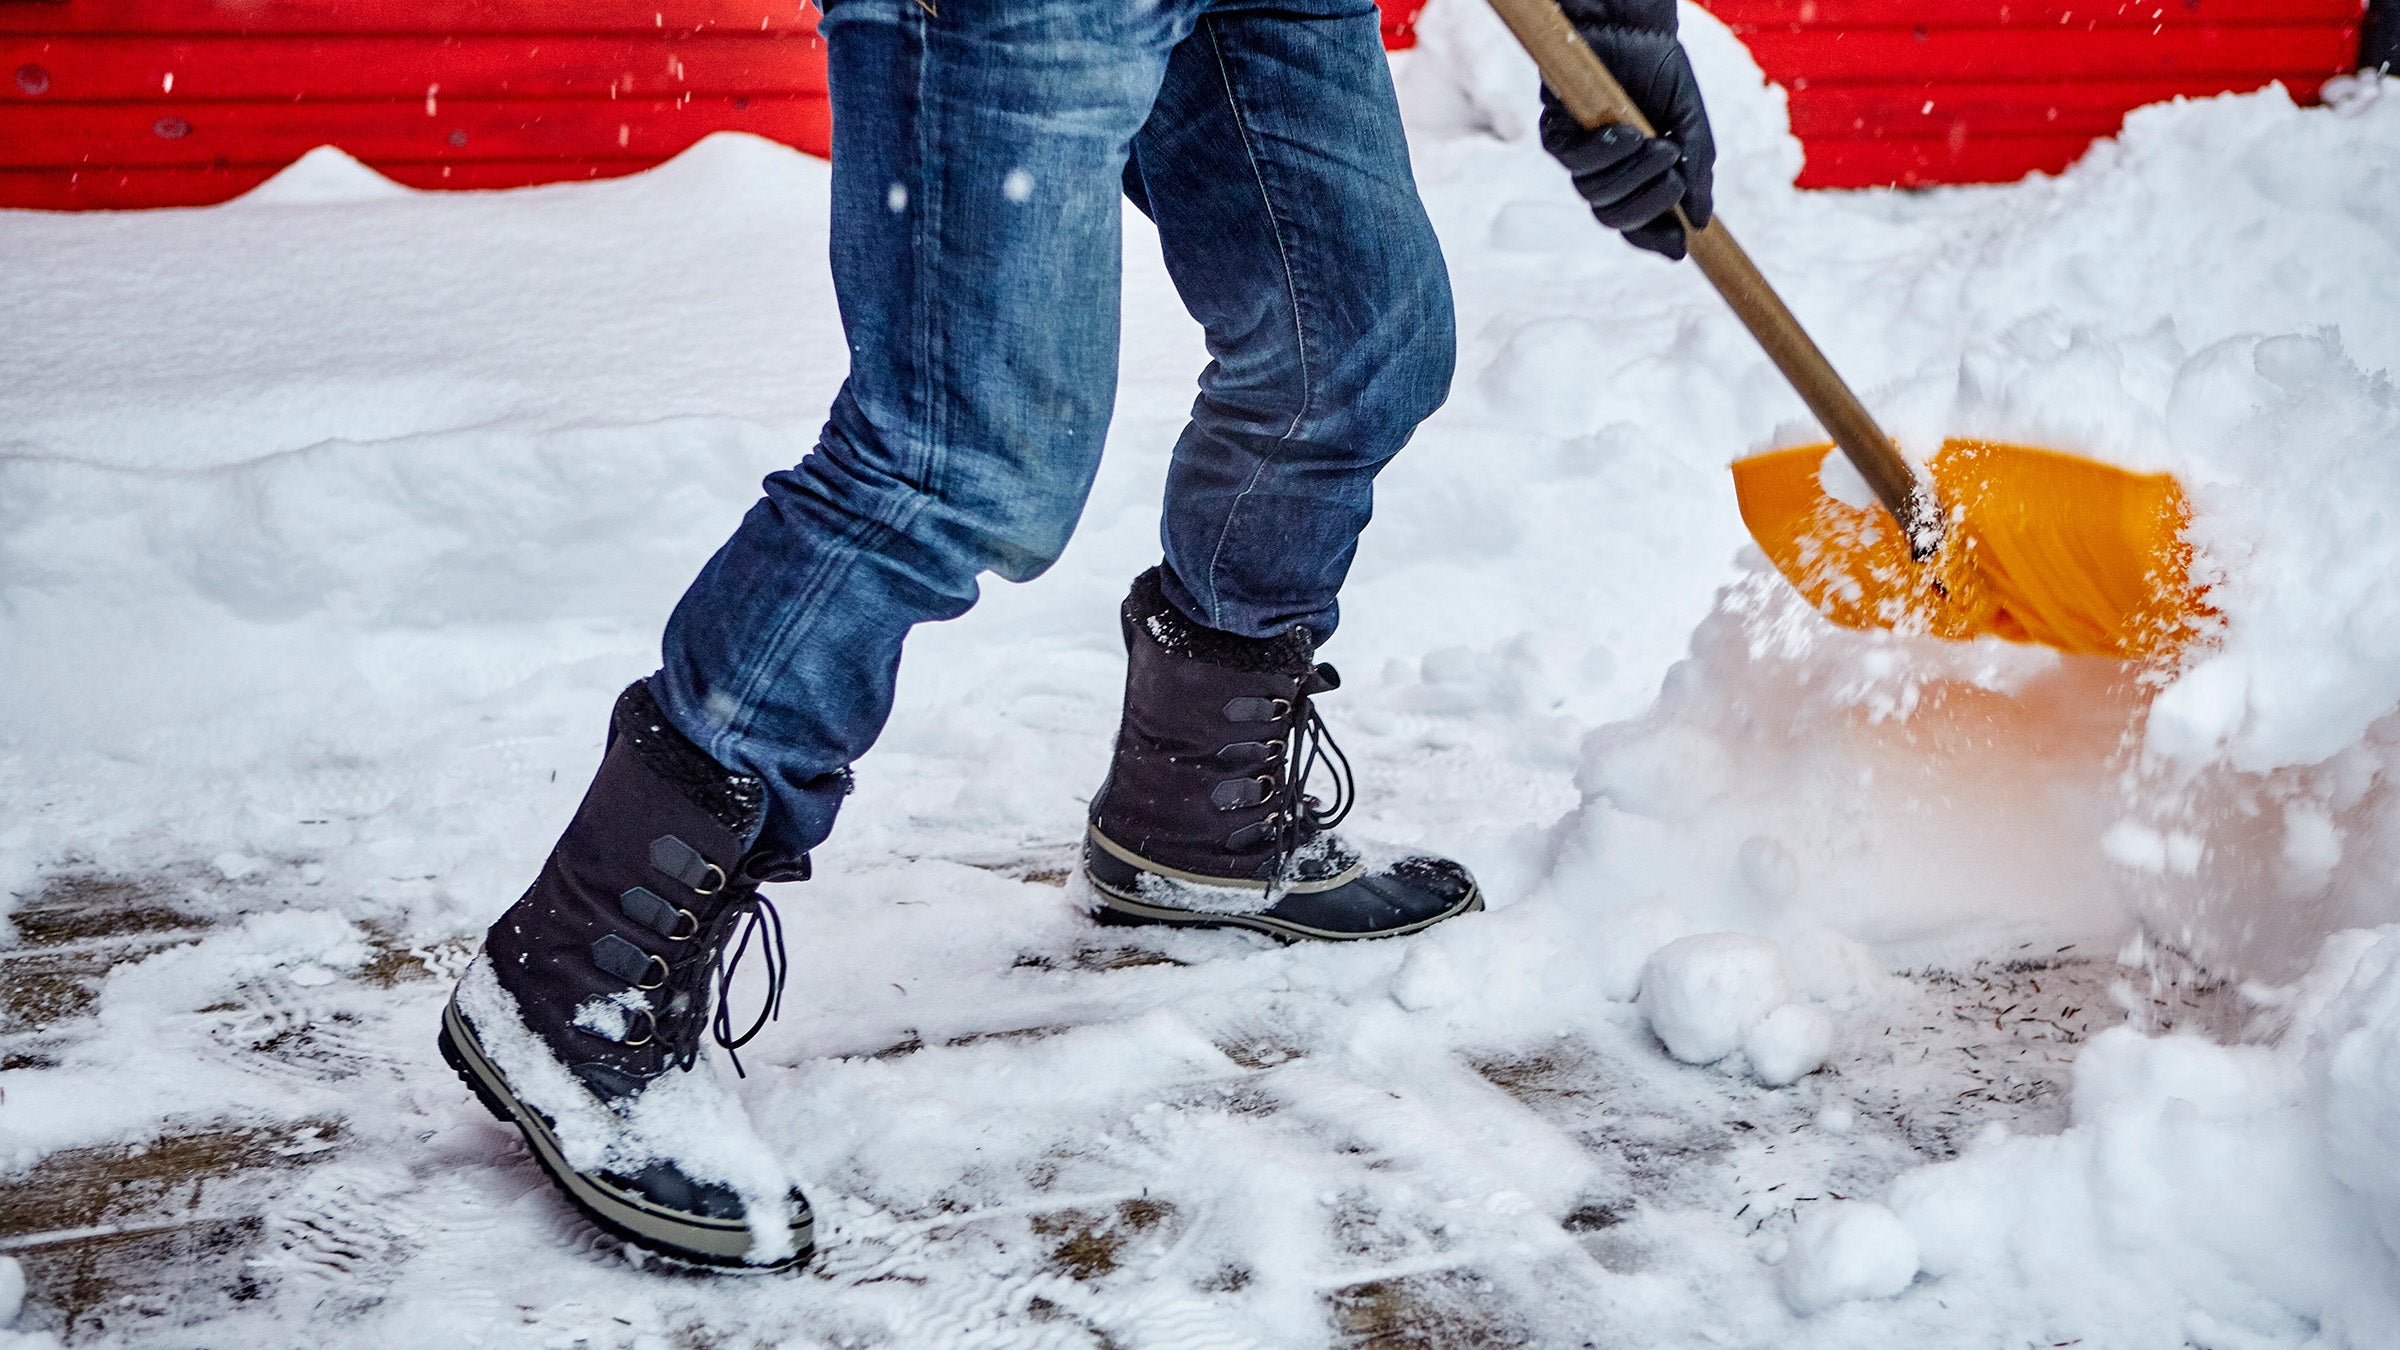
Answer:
(2349, 1030)
(2251, 1187)
(2270, 402)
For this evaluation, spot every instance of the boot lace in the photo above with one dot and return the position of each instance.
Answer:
(1298, 816)
(758, 921)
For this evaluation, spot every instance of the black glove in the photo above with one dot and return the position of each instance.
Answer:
(1633, 182)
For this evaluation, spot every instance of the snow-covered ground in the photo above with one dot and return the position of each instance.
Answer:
(332, 519)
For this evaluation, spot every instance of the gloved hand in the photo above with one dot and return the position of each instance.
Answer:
(1633, 182)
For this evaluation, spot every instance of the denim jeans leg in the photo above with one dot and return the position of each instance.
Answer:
(1276, 169)
(978, 158)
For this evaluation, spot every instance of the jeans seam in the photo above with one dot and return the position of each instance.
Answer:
(925, 244)
(1291, 287)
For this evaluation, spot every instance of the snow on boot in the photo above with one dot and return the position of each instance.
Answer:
(581, 1022)
(1204, 820)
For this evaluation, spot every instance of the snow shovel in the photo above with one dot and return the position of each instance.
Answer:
(2019, 543)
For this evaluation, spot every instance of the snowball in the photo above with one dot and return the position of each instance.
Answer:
(1789, 1044)
(1844, 1250)
(1703, 993)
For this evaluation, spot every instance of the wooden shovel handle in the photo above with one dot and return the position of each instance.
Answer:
(1575, 73)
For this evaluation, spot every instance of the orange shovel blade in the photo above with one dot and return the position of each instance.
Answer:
(2043, 547)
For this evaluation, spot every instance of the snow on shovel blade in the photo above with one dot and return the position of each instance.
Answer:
(2042, 547)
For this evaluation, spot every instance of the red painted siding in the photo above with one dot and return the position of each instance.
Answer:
(112, 103)
(125, 103)
(1906, 92)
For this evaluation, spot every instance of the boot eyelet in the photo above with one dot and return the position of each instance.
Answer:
(712, 890)
(650, 1022)
(686, 934)
(664, 972)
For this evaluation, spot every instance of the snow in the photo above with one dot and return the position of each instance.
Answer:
(1850, 1249)
(331, 521)
(2204, 1194)
(1703, 994)
(1788, 1044)
(688, 1119)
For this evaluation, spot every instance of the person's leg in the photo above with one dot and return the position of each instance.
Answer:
(977, 160)
(1275, 167)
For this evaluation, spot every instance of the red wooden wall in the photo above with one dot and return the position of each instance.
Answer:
(1982, 91)
(123, 103)
(108, 103)
(179, 102)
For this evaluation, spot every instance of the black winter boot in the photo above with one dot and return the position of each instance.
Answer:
(580, 1023)
(1204, 820)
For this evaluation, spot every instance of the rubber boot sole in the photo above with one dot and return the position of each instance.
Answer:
(716, 1244)
(1118, 909)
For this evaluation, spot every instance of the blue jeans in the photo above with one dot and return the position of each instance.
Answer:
(978, 158)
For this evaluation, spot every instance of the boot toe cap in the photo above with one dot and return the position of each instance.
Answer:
(1400, 896)
(667, 1187)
